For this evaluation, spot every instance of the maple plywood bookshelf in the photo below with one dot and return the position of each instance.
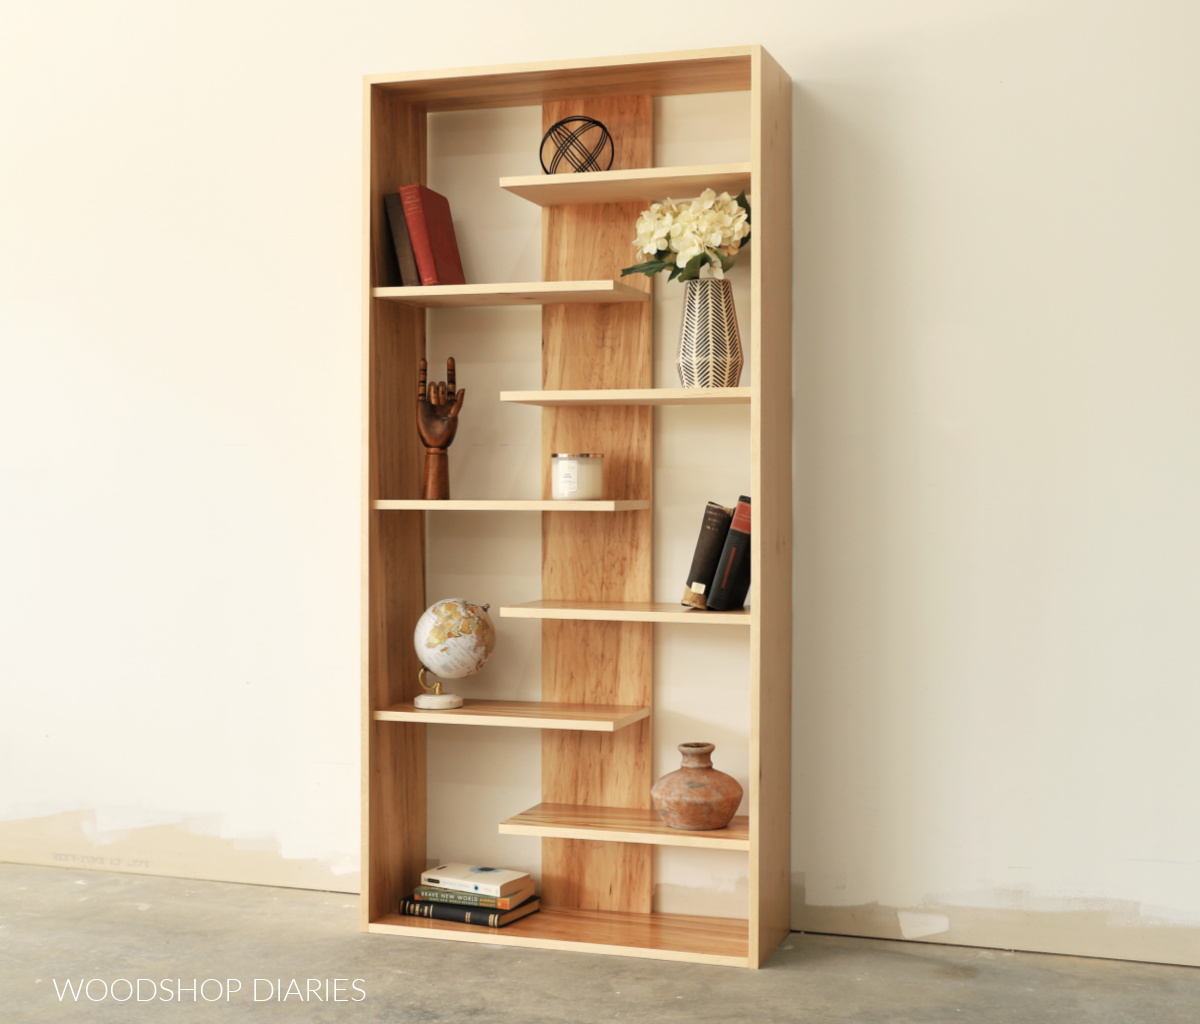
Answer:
(596, 824)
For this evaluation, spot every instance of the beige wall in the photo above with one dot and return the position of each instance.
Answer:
(996, 435)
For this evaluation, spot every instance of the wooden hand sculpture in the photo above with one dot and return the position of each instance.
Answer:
(437, 423)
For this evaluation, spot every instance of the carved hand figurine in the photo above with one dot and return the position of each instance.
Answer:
(437, 423)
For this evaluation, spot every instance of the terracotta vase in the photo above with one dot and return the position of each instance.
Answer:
(697, 797)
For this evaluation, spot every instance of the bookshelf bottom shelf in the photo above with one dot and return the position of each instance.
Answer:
(707, 940)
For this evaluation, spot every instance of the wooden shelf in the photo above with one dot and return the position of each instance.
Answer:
(705, 940)
(624, 611)
(514, 505)
(625, 186)
(518, 714)
(622, 825)
(528, 293)
(632, 396)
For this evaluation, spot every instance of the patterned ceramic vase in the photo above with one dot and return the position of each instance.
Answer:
(697, 797)
(710, 347)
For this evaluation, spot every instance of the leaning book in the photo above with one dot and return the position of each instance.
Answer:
(469, 915)
(473, 899)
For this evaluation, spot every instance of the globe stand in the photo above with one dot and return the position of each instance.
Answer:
(433, 699)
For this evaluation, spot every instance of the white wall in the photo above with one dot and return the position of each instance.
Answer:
(996, 431)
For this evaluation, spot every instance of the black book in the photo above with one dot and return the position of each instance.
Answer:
(405, 256)
(731, 582)
(469, 915)
(713, 529)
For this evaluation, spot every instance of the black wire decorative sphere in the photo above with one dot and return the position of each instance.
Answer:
(583, 143)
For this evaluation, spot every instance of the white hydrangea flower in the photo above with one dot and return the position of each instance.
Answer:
(710, 225)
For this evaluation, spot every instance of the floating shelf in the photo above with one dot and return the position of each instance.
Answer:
(632, 396)
(518, 714)
(622, 825)
(530, 293)
(624, 611)
(515, 505)
(704, 940)
(628, 185)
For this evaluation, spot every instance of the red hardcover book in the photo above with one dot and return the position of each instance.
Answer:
(432, 232)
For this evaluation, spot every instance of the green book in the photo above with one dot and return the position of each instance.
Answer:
(468, 915)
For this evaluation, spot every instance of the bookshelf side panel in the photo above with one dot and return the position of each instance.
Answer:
(394, 576)
(771, 536)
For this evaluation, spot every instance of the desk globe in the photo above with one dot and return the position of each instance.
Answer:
(453, 639)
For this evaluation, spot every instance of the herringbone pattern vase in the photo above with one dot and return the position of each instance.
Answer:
(710, 348)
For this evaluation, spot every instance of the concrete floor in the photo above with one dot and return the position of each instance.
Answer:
(58, 924)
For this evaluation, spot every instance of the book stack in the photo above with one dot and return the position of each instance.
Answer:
(423, 235)
(719, 578)
(472, 894)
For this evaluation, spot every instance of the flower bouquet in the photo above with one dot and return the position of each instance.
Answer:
(691, 236)
(697, 240)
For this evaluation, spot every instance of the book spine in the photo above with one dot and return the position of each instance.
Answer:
(713, 529)
(465, 899)
(409, 275)
(451, 912)
(731, 582)
(418, 232)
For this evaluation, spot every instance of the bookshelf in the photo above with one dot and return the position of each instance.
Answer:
(596, 825)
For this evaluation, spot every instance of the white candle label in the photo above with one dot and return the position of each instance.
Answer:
(568, 477)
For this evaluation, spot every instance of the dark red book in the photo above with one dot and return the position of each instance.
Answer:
(432, 234)
(732, 580)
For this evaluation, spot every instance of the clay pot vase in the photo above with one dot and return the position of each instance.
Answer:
(697, 797)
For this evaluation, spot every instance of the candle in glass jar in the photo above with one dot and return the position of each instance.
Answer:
(576, 476)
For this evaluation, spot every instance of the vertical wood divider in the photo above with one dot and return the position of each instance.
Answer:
(598, 556)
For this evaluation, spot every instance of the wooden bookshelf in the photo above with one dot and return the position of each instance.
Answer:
(598, 618)
(625, 611)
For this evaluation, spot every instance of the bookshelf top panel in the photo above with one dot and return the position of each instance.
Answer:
(512, 85)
